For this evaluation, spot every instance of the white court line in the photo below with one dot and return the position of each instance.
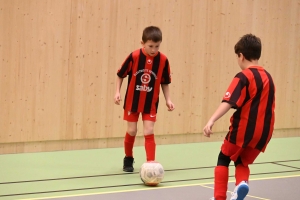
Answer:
(164, 187)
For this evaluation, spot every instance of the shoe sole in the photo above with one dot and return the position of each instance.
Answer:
(242, 192)
(127, 170)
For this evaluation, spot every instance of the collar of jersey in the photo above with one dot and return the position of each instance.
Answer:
(256, 66)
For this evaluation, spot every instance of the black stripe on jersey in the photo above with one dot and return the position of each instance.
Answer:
(246, 82)
(138, 81)
(263, 140)
(165, 75)
(124, 69)
(252, 117)
(243, 82)
(236, 94)
(128, 82)
(149, 96)
(235, 122)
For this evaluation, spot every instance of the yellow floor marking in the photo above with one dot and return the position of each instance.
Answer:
(278, 177)
(231, 191)
(164, 187)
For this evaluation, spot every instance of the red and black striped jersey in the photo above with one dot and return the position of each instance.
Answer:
(145, 75)
(252, 94)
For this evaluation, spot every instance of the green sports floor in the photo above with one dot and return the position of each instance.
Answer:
(97, 173)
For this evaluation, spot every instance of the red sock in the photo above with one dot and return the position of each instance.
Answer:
(128, 145)
(150, 147)
(221, 181)
(242, 173)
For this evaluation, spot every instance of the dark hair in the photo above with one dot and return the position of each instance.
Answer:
(152, 33)
(250, 46)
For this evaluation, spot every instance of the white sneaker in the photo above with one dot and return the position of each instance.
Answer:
(240, 191)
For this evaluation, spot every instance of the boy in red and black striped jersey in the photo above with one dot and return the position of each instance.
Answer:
(147, 69)
(252, 94)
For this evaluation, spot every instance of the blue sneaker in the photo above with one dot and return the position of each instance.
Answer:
(240, 191)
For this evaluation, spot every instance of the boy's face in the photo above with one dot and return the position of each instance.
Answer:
(150, 47)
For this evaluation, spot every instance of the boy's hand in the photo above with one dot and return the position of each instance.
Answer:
(207, 130)
(170, 105)
(117, 98)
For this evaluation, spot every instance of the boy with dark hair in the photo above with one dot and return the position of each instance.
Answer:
(147, 69)
(252, 94)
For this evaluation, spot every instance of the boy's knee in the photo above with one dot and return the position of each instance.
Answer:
(239, 162)
(148, 131)
(132, 131)
(223, 160)
(148, 128)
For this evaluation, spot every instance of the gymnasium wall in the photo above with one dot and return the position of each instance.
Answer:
(58, 63)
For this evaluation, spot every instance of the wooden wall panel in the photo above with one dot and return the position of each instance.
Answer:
(92, 70)
(58, 63)
(34, 53)
(63, 145)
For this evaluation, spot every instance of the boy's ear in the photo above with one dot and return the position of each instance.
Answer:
(142, 43)
(242, 56)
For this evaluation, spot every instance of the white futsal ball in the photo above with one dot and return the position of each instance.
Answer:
(152, 173)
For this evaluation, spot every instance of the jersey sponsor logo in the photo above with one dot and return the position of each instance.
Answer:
(143, 88)
(152, 115)
(149, 61)
(227, 95)
(145, 78)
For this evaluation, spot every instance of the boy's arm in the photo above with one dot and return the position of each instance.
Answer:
(221, 110)
(117, 98)
(165, 89)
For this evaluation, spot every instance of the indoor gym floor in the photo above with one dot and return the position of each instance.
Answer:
(97, 173)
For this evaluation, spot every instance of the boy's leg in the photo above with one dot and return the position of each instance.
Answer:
(129, 139)
(128, 144)
(150, 145)
(242, 172)
(221, 177)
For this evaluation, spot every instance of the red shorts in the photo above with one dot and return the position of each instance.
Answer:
(248, 155)
(134, 116)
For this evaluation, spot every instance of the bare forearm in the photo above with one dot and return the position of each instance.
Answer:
(119, 84)
(169, 103)
(166, 91)
(221, 110)
(117, 97)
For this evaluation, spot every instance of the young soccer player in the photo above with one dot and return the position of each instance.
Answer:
(147, 69)
(252, 94)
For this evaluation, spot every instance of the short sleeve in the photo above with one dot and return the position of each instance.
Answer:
(126, 67)
(166, 75)
(237, 91)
